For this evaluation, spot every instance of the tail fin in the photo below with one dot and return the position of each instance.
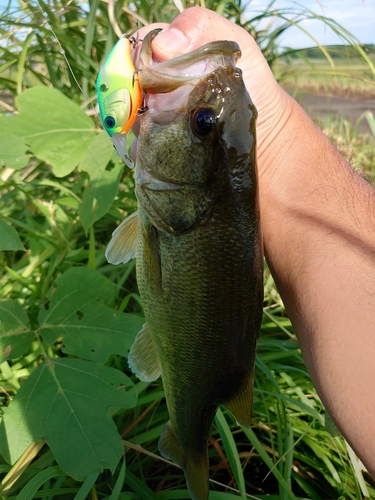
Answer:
(195, 465)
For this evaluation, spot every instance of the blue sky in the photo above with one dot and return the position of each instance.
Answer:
(357, 16)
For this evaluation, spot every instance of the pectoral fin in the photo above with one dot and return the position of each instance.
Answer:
(142, 359)
(241, 404)
(123, 244)
(195, 465)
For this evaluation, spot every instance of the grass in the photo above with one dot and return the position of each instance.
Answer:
(339, 71)
(343, 74)
(292, 449)
(357, 147)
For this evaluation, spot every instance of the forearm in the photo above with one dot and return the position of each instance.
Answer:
(319, 232)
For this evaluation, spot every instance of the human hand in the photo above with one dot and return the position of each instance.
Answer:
(198, 26)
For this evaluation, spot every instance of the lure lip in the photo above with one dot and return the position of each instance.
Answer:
(119, 143)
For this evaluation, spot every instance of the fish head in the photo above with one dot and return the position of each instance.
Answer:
(199, 113)
(119, 95)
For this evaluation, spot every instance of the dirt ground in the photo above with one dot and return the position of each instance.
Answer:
(324, 107)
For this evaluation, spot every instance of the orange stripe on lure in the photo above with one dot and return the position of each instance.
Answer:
(119, 95)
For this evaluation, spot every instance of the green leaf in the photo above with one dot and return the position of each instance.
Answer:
(79, 320)
(95, 332)
(66, 402)
(13, 151)
(98, 155)
(76, 288)
(56, 129)
(9, 239)
(15, 334)
(103, 185)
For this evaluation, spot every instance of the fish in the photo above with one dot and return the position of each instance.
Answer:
(197, 239)
(119, 95)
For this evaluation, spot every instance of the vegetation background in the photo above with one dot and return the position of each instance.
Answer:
(75, 423)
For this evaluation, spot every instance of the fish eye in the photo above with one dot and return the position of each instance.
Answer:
(203, 121)
(109, 122)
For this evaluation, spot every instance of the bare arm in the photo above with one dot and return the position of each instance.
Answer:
(319, 232)
(318, 219)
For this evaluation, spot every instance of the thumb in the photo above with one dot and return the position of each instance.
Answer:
(193, 28)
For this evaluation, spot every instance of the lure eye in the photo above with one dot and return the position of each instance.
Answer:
(203, 121)
(109, 122)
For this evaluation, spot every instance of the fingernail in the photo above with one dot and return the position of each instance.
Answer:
(172, 41)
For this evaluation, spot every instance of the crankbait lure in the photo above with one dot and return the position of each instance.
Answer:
(119, 95)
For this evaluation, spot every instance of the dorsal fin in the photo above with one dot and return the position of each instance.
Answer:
(123, 244)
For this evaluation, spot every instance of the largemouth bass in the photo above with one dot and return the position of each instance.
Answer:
(197, 239)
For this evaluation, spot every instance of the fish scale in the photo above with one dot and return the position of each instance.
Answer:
(202, 321)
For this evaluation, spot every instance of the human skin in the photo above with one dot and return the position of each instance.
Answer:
(318, 219)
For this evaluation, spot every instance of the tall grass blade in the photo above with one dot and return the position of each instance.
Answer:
(231, 451)
(90, 33)
(20, 466)
(119, 482)
(28, 491)
(49, 62)
(358, 472)
(91, 26)
(91, 264)
(371, 121)
(178, 5)
(22, 60)
(139, 487)
(112, 18)
(321, 453)
(315, 40)
(264, 455)
(87, 484)
(288, 454)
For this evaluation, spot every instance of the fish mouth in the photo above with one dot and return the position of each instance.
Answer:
(161, 77)
(169, 84)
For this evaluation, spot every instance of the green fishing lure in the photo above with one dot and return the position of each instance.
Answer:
(119, 95)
